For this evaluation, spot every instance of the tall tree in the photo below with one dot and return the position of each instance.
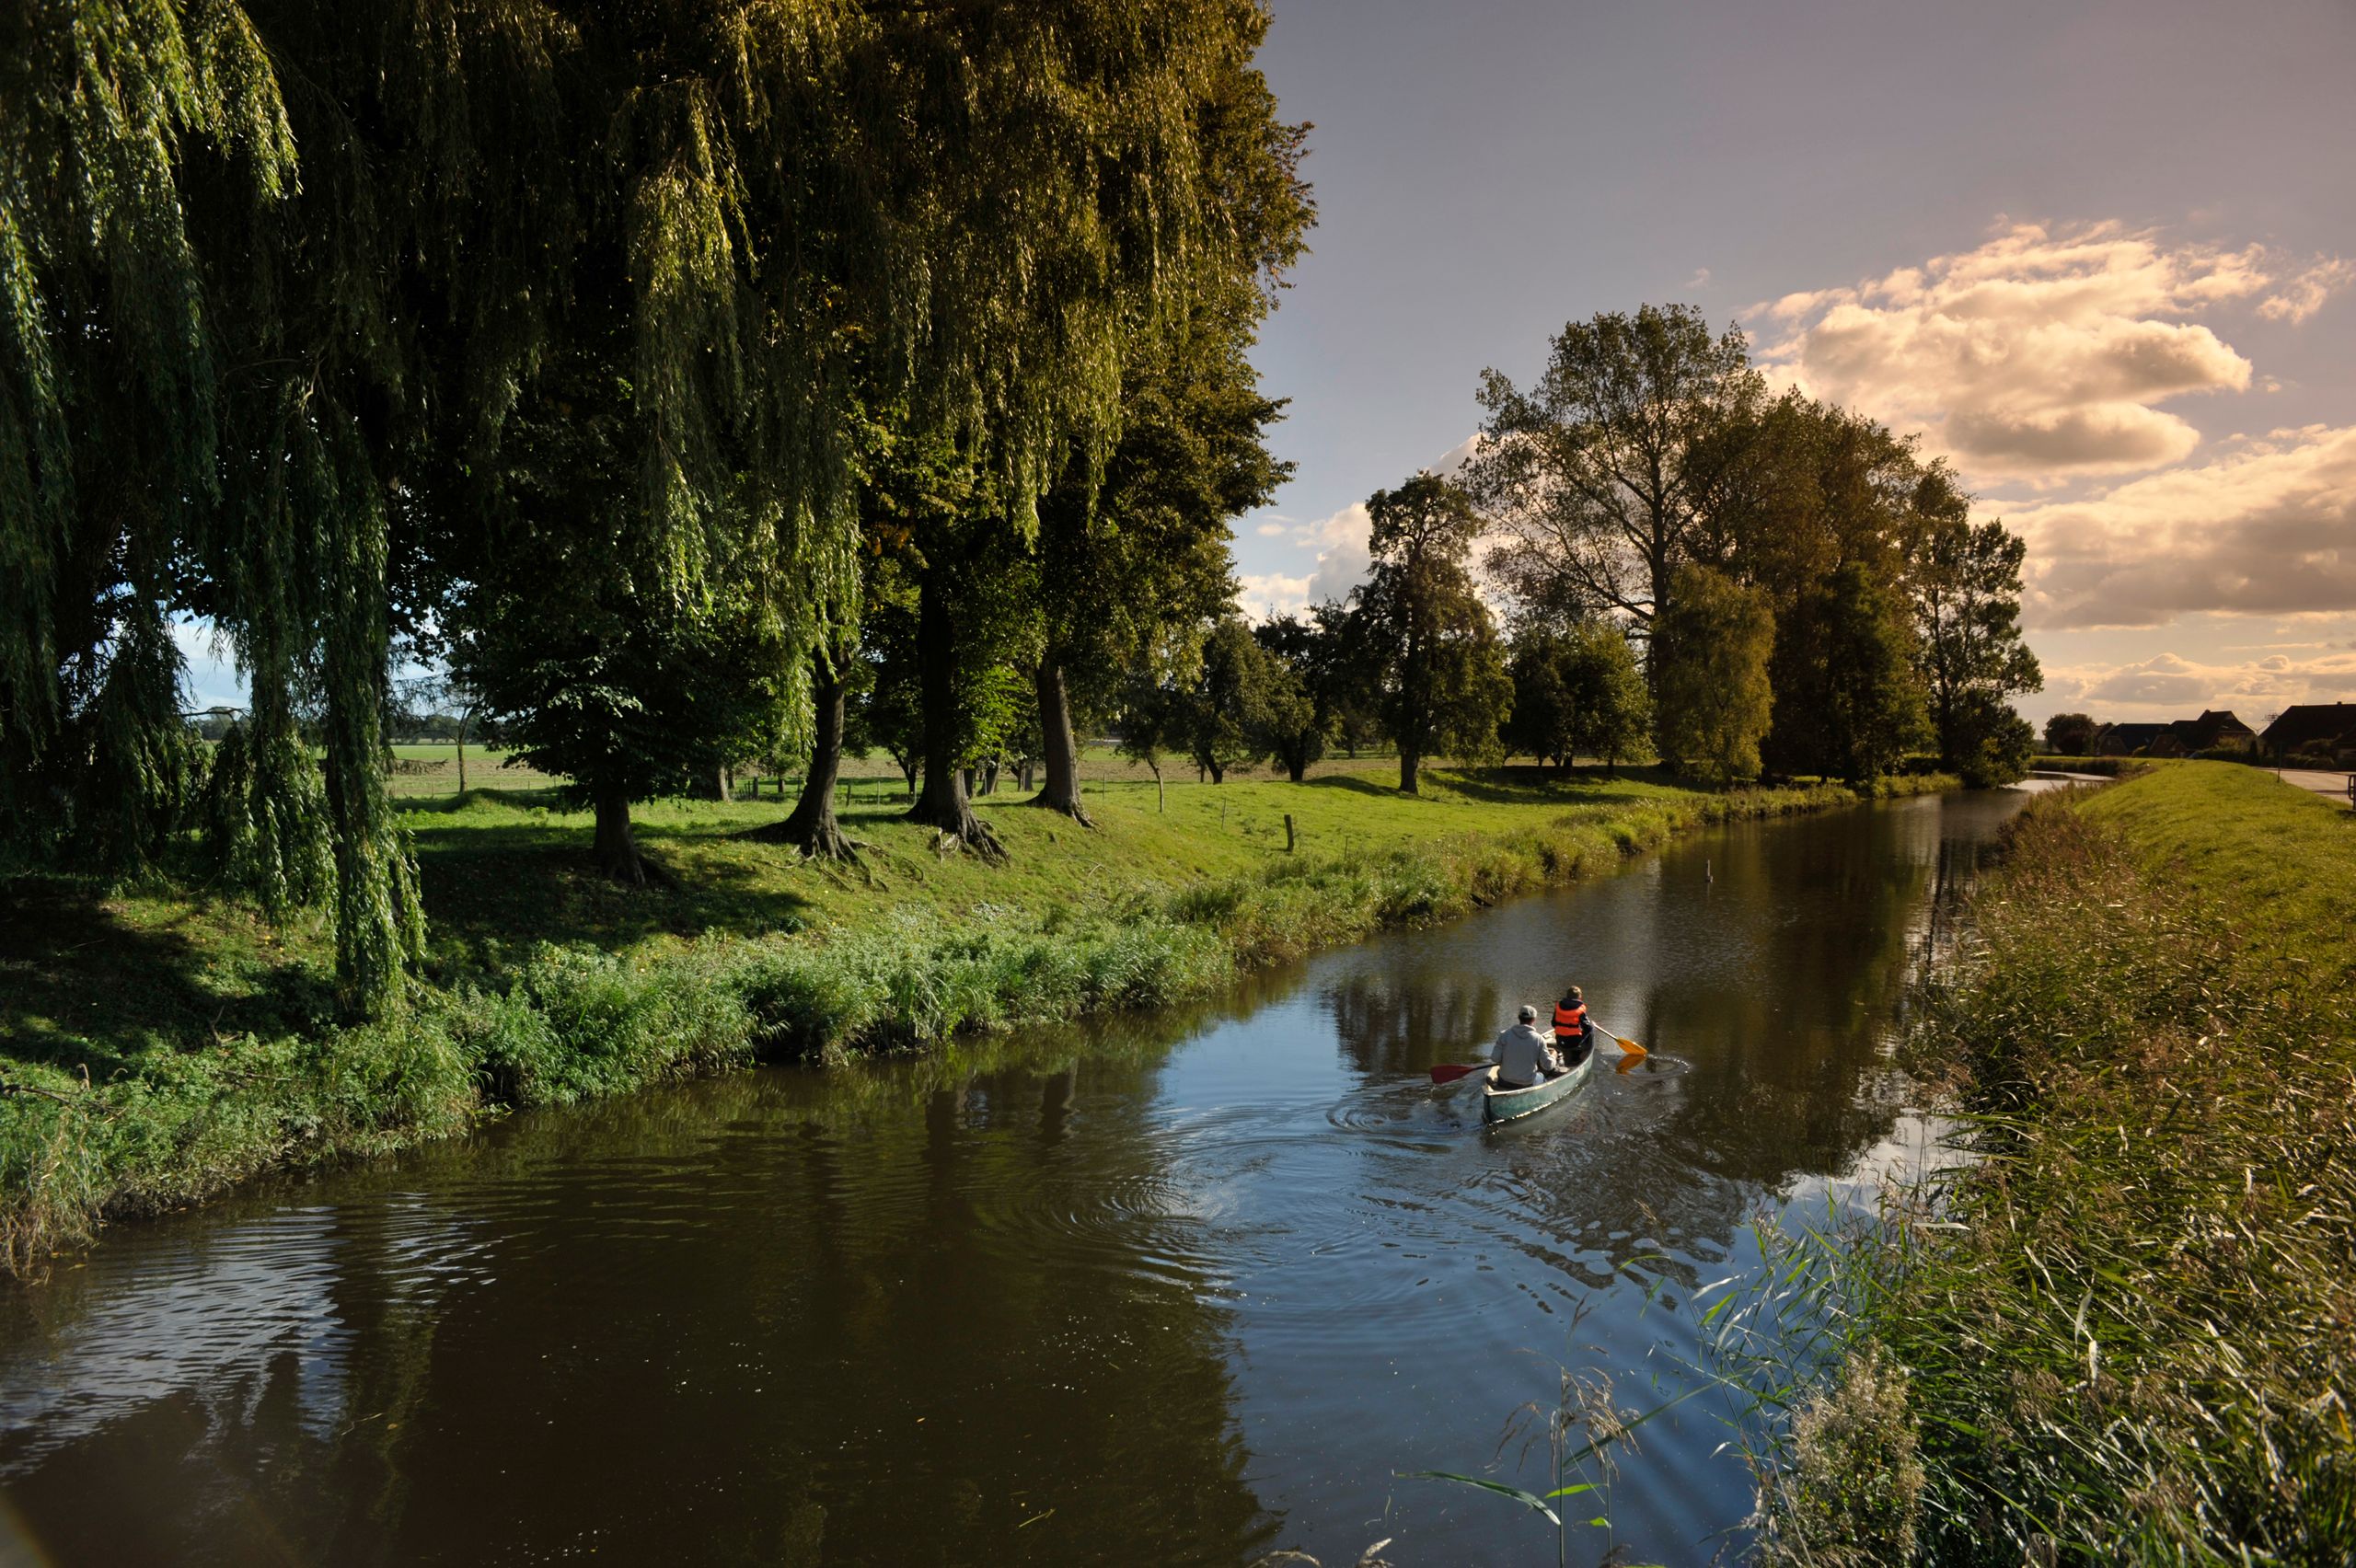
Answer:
(1577, 689)
(1442, 672)
(1847, 704)
(1139, 540)
(1299, 721)
(1966, 602)
(1607, 475)
(2070, 735)
(1710, 655)
(1232, 709)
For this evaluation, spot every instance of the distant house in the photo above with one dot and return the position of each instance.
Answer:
(2328, 726)
(2215, 730)
(2133, 739)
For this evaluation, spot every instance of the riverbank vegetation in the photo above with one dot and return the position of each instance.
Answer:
(2126, 1330)
(162, 1047)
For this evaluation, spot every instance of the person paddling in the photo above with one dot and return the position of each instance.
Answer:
(1523, 1055)
(1573, 1030)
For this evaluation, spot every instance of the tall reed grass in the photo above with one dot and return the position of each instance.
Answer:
(2125, 1332)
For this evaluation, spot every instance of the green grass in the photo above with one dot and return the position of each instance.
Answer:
(2126, 1332)
(161, 1044)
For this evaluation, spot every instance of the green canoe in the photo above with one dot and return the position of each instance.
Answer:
(1513, 1104)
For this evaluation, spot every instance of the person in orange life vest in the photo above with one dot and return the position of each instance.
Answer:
(1573, 1032)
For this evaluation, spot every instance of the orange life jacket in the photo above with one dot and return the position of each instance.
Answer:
(1570, 1020)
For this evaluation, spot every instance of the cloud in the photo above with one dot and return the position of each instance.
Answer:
(2305, 293)
(1340, 540)
(1272, 529)
(2042, 353)
(1700, 280)
(2169, 686)
(2268, 527)
(1343, 558)
(1266, 595)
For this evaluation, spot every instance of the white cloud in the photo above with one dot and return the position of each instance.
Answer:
(1343, 558)
(2040, 354)
(1273, 530)
(2268, 527)
(2169, 686)
(1700, 280)
(1265, 595)
(2304, 294)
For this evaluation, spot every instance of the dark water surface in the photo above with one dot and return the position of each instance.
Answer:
(1173, 1290)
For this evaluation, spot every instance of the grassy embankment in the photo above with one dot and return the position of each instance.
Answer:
(160, 1045)
(2129, 1334)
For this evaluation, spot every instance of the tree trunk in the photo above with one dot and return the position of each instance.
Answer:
(1409, 763)
(990, 776)
(1062, 793)
(943, 805)
(1219, 774)
(616, 848)
(813, 828)
(1297, 765)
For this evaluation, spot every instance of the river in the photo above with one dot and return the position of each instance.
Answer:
(1181, 1289)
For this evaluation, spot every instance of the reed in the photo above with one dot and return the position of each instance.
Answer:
(2123, 1331)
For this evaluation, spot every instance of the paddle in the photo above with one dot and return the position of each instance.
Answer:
(1448, 1072)
(1627, 1047)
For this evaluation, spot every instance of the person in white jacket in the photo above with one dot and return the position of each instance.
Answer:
(1525, 1054)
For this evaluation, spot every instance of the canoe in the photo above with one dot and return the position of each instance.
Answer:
(1513, 1104)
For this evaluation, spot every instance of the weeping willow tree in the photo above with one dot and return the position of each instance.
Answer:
(300, 402)
(110, 431)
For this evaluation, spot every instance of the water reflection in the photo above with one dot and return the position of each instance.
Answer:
(1168, 1290)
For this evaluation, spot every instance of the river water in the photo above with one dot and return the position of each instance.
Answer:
(1181, 1289)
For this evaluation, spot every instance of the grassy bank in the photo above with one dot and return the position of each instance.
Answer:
(2128, 1334)
(160, 1046)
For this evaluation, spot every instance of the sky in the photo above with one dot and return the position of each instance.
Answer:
(2102, 257)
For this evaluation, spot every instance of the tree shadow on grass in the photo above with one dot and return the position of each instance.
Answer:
(85, 990)
(1534, 785)
(492, 895)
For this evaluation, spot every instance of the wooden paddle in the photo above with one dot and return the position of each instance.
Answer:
(1448, 1072)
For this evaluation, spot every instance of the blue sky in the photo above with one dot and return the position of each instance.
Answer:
(2083, 249)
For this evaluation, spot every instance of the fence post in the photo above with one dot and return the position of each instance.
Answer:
(1288, 838)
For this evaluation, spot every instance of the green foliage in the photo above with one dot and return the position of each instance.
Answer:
(264, 823)
(1242, 698)
(1606, 477)
(1295, 725)
(1967, 589)
(1576, 689)
(1851, 1496)
(1429, 640)
(2070, 735)
(1712, 699)
(1993, 745)
(1847, 704)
